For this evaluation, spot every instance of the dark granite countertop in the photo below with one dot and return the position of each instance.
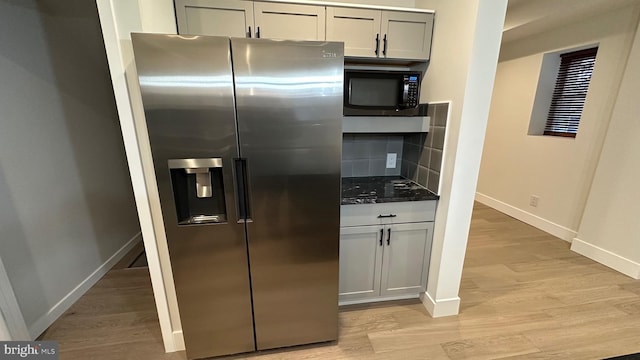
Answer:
(382, 189)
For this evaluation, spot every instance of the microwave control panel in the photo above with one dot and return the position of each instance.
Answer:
(410, 93)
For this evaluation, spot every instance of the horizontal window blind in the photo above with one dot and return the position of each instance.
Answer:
(572, 84)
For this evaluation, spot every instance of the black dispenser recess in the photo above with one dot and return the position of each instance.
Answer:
(198, 190)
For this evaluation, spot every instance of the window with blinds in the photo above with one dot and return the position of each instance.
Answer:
(570, 92)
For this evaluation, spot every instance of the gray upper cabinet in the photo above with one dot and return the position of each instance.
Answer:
(358, 28)
(408, 35)
(366, 33)
(240, 18)
(289, 21)
(381, 33)
(232, 18)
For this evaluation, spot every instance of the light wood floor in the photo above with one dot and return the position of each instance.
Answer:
(525, 295)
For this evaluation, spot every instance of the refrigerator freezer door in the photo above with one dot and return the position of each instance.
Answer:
(289, 110)
(187, 92)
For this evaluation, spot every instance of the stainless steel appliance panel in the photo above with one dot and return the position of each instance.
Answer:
(187, 91)
(289, 110)
(375, 92)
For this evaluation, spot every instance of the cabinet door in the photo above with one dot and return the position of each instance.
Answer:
(360, 262)
(358, 29)
(215, 17)
(289, 21)
(408, 35)
(406, 258)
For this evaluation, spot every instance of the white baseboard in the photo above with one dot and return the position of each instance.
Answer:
(178, 340)
(40, 325)
(607, 258)
(440, 308)
(529, 218)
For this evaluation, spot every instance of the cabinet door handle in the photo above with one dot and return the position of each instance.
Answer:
(249, 32)
(257, 32)
(384, 47)
(389, 237)
(377, 44)
(381, 236)
(386, 216)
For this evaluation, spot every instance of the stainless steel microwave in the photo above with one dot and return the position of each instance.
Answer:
(381, 93)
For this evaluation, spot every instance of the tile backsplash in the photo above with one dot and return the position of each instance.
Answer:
(418, 155)
(422, 161)
(366, 154)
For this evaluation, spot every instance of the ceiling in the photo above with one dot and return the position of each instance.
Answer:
(529, 17)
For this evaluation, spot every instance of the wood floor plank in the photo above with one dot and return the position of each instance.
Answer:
(525, 295)
(491, 347)
(632, 285)
(464, 328)
(595, 351)
(585, 334)
(585, 313)
(430, 352)
(594, 294)
(628, 306)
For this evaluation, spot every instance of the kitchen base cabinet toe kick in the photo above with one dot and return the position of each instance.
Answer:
(382, 256)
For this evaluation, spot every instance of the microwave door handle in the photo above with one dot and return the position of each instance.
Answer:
(405, 93)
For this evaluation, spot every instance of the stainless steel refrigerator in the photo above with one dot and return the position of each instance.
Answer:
(246, 141)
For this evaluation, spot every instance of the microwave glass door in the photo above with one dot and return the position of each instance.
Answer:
(376, 92)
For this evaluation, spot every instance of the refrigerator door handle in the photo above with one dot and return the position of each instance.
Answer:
(242, 191)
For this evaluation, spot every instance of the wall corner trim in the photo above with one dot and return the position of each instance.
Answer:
(178, 341)
(40, 325)
(440, 308)
(607, 258)
(545, 225)
(12, 324)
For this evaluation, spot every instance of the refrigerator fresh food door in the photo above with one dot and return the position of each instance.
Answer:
(289, 110)
(187, 92)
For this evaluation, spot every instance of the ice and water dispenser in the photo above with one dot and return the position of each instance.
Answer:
(198, 190)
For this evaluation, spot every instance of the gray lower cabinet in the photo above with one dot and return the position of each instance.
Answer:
(384, 261)
(405, 259)
(360, 262)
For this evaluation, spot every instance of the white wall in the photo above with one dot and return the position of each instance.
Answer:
(558, 170)
(66, 204)
(465, 48)
(610, 230)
